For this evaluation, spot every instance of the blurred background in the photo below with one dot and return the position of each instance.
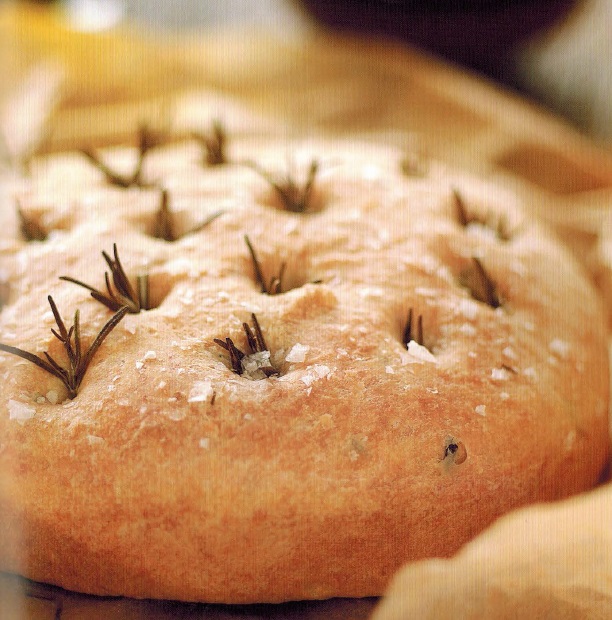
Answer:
(554, 51)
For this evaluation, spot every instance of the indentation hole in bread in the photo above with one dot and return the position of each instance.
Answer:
(248, 354)
(454, 451)
(36, 223)
(416, 327)
(274, 275)
(160, 285)
(295, 192)
(171, 224)
(140, 291)
(467, 216)
(476, 278)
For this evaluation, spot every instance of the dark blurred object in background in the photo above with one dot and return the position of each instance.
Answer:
(480, 34)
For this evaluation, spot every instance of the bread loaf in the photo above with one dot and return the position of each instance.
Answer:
(331, 366)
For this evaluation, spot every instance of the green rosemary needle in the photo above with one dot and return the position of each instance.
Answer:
(274, 287)
(164, 226)
(146, 141)
(498, 225)
(256, 344)
(213, 145)
(295, 198)
(73, 374)
(121, 293)
(410, 333)
(480, 284)
(30, 228)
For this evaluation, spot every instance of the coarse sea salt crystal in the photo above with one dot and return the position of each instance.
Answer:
(52, 396)
(321, 370)
(129, 326)
(477, 229)
(559, 347)
(200, 392)
(150, 355)
(427, 292)
(468, 329)
(204, 443)
(389, 370)
(179, 266)
(20, 411)
(138, 365)
(509, 353)
(481, 410)
(499, 374)
(252, 365)
(316, 372)
(297, 353)
(187, 297)
(417, 353)
(468, 309)
(371, 291)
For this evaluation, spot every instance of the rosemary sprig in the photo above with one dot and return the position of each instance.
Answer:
(411, 334)
(499, 226)
(146, 141)
(72, 376)
(164, 222)
(164, 226)
(30, 228)
(213, 145)
(256, 343)
(295, 198)
(121, 293)
(274, 287)
(480, 284)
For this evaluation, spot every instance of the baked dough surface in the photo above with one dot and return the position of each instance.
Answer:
(170, 476)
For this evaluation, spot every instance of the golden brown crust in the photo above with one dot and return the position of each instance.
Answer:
(171, 476)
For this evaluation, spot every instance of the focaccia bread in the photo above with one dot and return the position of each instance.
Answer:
(419, 357)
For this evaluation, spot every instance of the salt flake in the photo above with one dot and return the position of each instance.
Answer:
(559, 347)
(252, 365)
(499, 374)
(200, 392)
(417, 353)
(20, 411)
(297, 353)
